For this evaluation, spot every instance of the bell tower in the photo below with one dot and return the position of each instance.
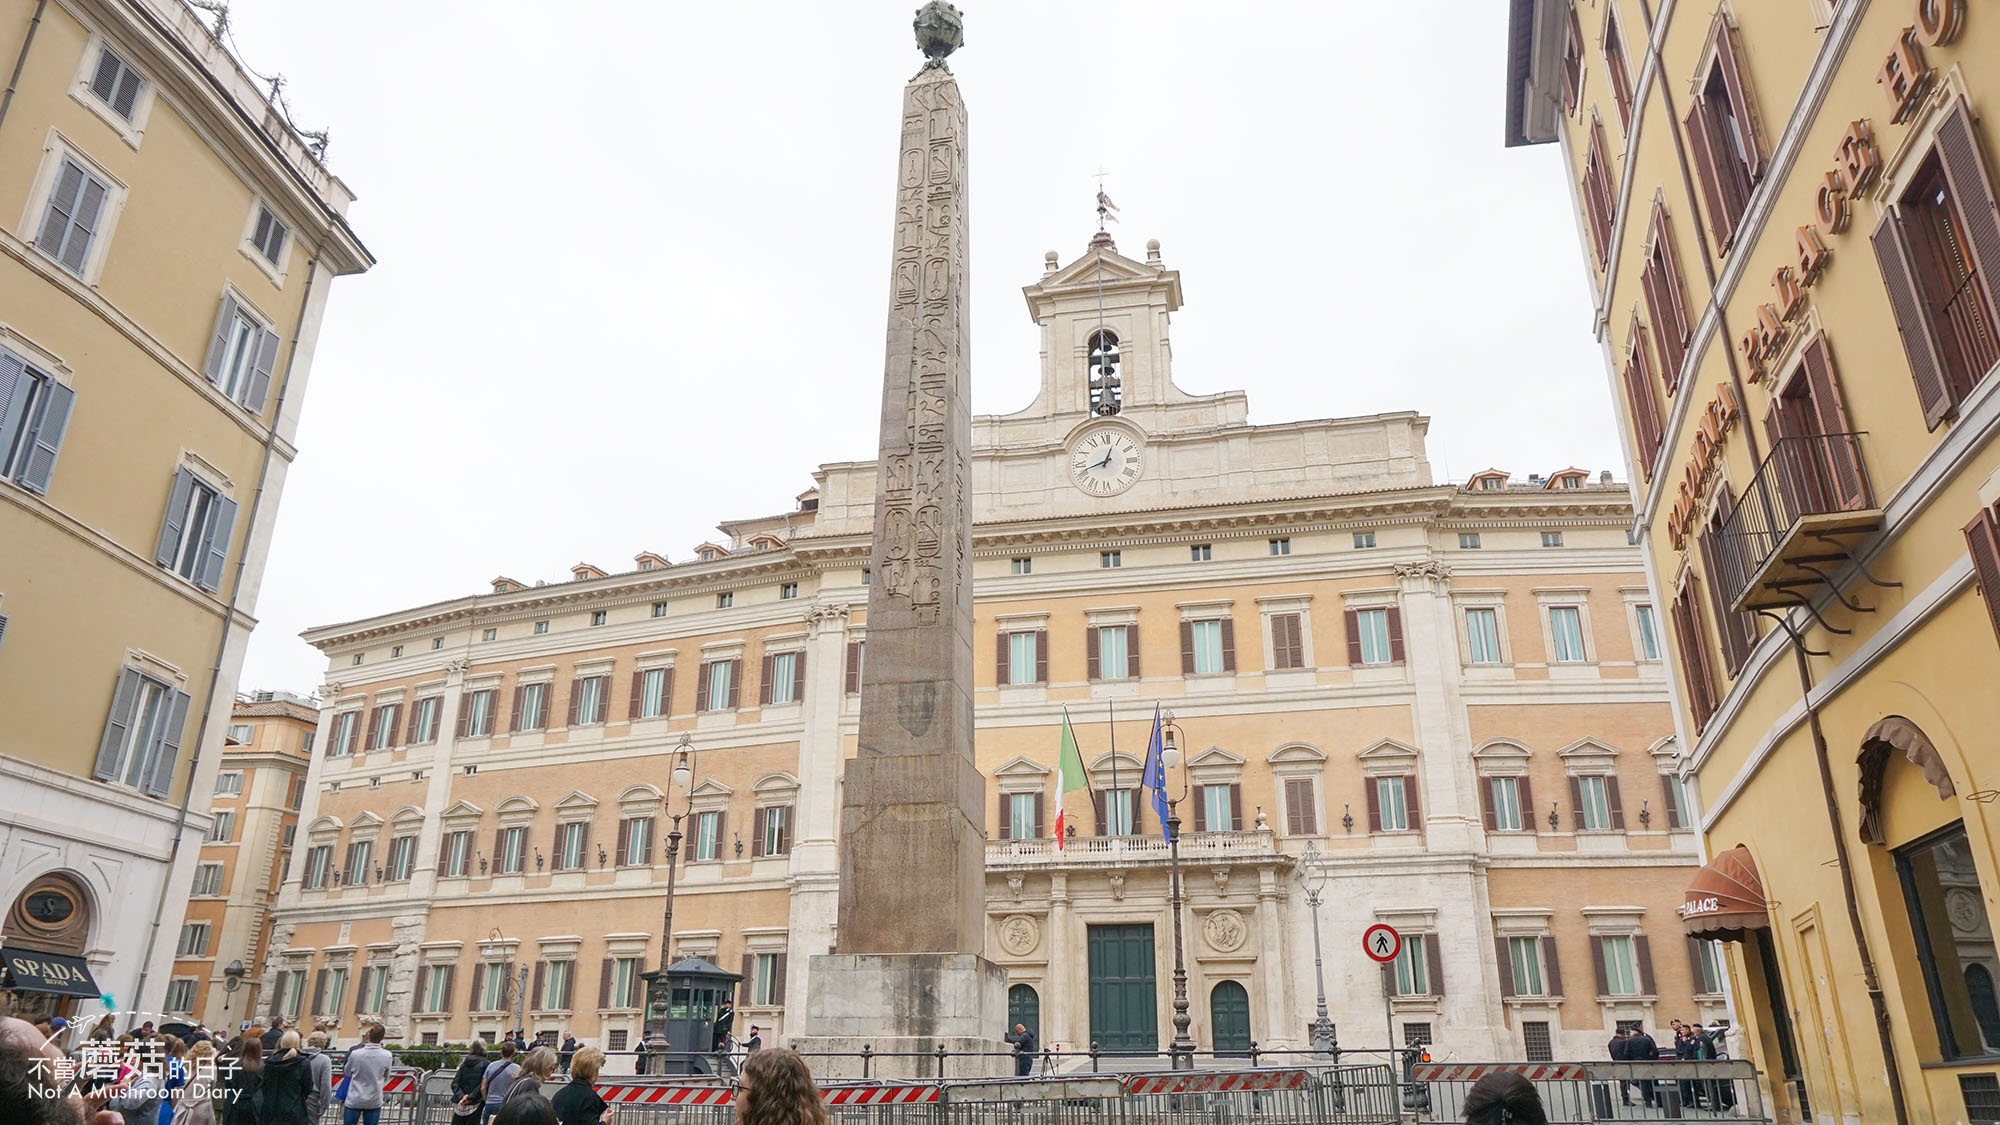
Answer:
(1105, 348)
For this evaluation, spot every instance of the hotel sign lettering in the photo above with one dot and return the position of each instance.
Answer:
(1717, 419)
(1694, 906)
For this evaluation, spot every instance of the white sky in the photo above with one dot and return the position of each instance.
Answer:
(634, 256)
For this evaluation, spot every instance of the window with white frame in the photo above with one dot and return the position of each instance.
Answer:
(116, 84)
(787, 591)
(269, 236)
(1392, 799)
(1413, 976)
(73, 216)
(531, 706)
(725, 600)
(333, 990)
(1482, 636)
(773, 829)
(1566, 634)
(1119, 807)
(222, 829)
(1505, 795)
(1282, 546)
(764, 988)
(228, 784)
(402, 861)
(705, 841)
(1110, 560)
(1468, 541)
(478, 716)
(457, 860)
(1201, 552)
(34, 416)
(1593, 803)
(1525, 956)
(784, 677)
(721, 675)
(513, 851)
(319, 867)
(180, 995)
(382, 729)
(1206, 639)
(242, 734)
(1021, 815)
(242, 355)
(424, 722)
(194, 536)
(1114, 658)
(1022, 566)
(437, 988)
(494, 995)
(569, 845)
(1022, 650)
(653, 692)
(625, 982)
(344, 734)
(142, 734)
(375, 989)
(207, 879)
(1552, 538)
(1372, 626)
(194, 940)
(1710, 977)
(291, 992)
(638, 835)
(558, 977)
(1363, 540)
(360, 860)
(589, 705)
(1649, 634)
(1621, 968)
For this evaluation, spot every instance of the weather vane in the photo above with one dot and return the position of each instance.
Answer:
(1106, 210)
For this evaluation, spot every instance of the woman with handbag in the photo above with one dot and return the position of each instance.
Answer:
(466, 1103)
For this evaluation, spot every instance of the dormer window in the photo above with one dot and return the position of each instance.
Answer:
(1105, 395)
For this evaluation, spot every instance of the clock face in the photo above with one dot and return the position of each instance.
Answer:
(1104, 462)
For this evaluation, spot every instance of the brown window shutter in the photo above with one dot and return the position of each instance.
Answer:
(1187, 648)
(1132, 650)
(394, 721)
(1297, 803)
(1913, 318)
(478, 980)
(735, 682)
(721, 831)
(624, 839)
(1645, 407)
(1597, 964)
(410, 734)
(514, 719)
(1611, 800)
(701, 687)
(1395, 635)
(1596, 191)
(1671, 322)
(423, 988)
(1092, 666)
(1374, 792)
(1411, 806)
(374, 724)
(1351, 619)
(1721, 219)
(499, 849)
(319, 991)
(1526, 791)
(1738, 630)
(1747, 128)
(667, 694)
(854, 667)
(1436, 959)
(785, 832)
(1308, 813)
(1229, 644)
(1972, 187)
(1676, 817)
(1486, 785)
(1097, 803)
(1201, 808)
(745, 991)
(444, 858)
(1006, 817)
(575, 698)
(1235, 807)
(1572, 76)
(1642, 950)
(1689, 646)
(535, 990)
(1575, 802)
(764, 680)
(1040, 827)
(1982, 542)
(464, 712)
(1287, 643)
(799, 676)
(1041, 657)
(638, 694)
(1002, 675)
(757, 820)
(604, 983)
(1503, 955)
(778, 979)
(1552, 977)
(1843, 462)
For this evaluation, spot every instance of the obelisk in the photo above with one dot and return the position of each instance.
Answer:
(907, 974)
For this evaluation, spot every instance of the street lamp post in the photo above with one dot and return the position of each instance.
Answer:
(1181, 1050)
(1312, 878)
(657, 989)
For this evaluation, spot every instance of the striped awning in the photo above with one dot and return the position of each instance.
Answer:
(1725, 900)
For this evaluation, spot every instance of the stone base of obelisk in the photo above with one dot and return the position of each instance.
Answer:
(901, 1007)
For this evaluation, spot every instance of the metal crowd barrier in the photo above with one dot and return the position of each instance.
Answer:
(1580, 1093)
(402, 1096)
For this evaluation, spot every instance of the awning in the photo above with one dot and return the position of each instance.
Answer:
(1725, 900)
(31, 970)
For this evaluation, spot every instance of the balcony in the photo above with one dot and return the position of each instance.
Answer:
(1118, 851)
(1798, 518)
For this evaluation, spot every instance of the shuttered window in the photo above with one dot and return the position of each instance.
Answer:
(141, 744)
(570, 841)
(705, 842)
(1109, 652)
(382, 726)
(1023, 657)
(1524, 961)
(1982, 542)
(784, 678)
(319, 866)
(511, 852)
(1642, 395)
(857, 653)
(651, 691)
(194, 536)
(1572, 62)
(1504, 804)
(531, 707)
(116, 84)
(34, 417)
(1482, 636)
(635, 841)
(1301, 811)
(424, 717)
(1614, 69)
(587, 700)
(1208, 647)
(1691, 646)
(1599, 205)
(1666, 300)
(1392, 804)
(475, 713)
(1372, 629)
(360, 860)
(455, 855)
(75, 211)
(1022, 821)
(269, 237)
(1738, 630)
(772, 830)
(242, 354)
(1566, 635)
(1722, 137)
(1288, 648)
(1416, 967)
(402, 859)
(716, 689)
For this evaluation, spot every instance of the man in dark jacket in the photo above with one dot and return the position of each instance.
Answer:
(725, 1026)
(1619, 1053)
(274, 1033)
(1640, 1048)
(1024, 1049)
(569, 1049)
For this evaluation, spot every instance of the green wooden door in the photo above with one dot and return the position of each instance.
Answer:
(1024, 1007)
(1229, 1018)
(1123, 1011)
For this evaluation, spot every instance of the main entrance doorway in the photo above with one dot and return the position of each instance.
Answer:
(1123, 1011)
(1024, 1007)
(1229, 1019)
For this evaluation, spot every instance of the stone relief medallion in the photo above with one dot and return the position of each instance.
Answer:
(1964, 909)
(1020, 934)
(1225, 931)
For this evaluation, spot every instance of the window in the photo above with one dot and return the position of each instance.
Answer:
(1504, 805)
(1566, 634)
(1552, 538)
(1119, 807)
(1738, 630)
(319, 864)
(1941, 892)
(725, 600)
(344, 734)
(659, 609)
(1281, 546)
(625, 983)
(569, 846)
(1024, 657)
(374, 995)
(1936, 249)
(1709, 976)
(229, 784)
(436, 989)
(437, 643)
(1217, 811)
(597, 617)
(716, 689)
(1110, 652)
(1641, 391)
(1666, 303)
(1288, 645)
(269, 237)
(1364, 539)
(773, 830)
(1649, 637)
(1372, 637)
(207, 879)
(1418, 1034)
(1022, 821)
(71, 222)
(1614, 68)
(328, 992)
(194, 538)
(424, 719)
(1391, 803)
(1535, 1038)
(1572, 64)
(788, 590)
(395, 652)
(1413, 977)
(358, 658)
(455, 855)
(116, 84)
(1525, 959)
(382, 726)
(291, 833)
(498, 980)
(857, 653)
(867, 576)
(784, 678)
(1301, 811)
(475, 714)
(1201, 552)
(242, 354)
(1599, 201)
(1691, 646)
(558, 977)
(1023, 566)
(1596, 803)
(541, 627)
(194, 940)
(180, 995)
(1621, 971)
(1468, 541)
(306, 744)
(655, 686)
(618, 1039)
(635, 834)
(223, 828)
(1678, 805)
(1110, 559)
(490, 635)
(242, 734)
(1482, 636)
(360, 855)
(587, 700)
(511, 852)
(402, 859)
(764, 977)
(1210, 650)
(531, 706)
(1723, 138)
(705, 841)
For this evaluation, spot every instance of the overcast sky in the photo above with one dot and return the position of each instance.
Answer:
(633, 256)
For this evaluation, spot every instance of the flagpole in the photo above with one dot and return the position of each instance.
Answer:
(1110, 811)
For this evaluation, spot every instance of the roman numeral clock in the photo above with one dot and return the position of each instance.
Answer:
(1105, 461)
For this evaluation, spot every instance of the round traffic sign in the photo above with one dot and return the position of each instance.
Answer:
(1381, 942)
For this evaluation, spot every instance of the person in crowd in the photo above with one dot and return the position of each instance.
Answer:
(756, 1039)
(195, 1104)
(725, 1026)
(578, 1103)
(367, 1069)
(499, 1078)
(320, 1066)
(538, 1067)
(1619, 1053)
(776, 1088)
(1024, 1049)
(1640, 1047)
(26, 1057)
(531, 1110)
(521, 1040)
(465, 1084)
(243, 1084)
(1504, 1098)
(173, 1076)
(285, 1093)
(568, 1051)
(272, 1034)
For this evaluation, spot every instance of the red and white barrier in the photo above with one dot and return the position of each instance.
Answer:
(1468, 1072)
(879, 1095)
(667, 1095)
(1195, 1082)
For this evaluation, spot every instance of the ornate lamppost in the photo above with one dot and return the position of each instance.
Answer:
(1312, 879)
(1181, 1050)
(657, 991)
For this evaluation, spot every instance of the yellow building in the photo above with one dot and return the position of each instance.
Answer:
(1789, 223)
(254, 816)
(1452, 692)
(167, 243)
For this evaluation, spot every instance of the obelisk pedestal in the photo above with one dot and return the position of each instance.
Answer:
(908, 977)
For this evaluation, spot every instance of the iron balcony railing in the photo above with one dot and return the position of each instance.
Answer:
(1802, 477)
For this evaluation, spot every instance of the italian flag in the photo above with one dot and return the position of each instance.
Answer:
(1070, 779)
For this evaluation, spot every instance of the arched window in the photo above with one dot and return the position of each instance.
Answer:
(1229, 1017)
(1105, 397)
(1024, 1006)
(1985, 1009)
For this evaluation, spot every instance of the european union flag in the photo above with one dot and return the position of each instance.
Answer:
(1154, 778)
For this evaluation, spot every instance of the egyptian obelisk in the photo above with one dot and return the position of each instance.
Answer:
(907, 974)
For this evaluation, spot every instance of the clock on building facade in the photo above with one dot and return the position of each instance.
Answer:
(1105, 461)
